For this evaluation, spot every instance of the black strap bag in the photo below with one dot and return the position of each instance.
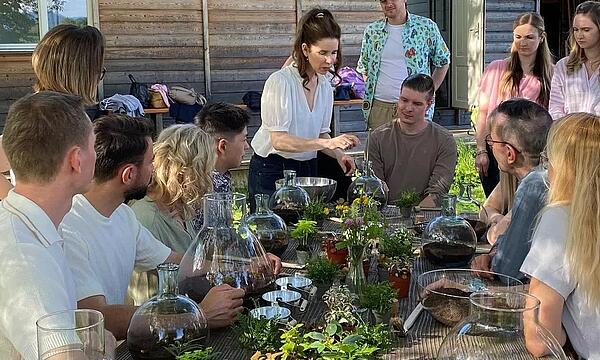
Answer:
(140, 91)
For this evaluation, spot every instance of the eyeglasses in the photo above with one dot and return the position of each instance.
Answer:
(544, 162)
(490, 142)
(103, 73)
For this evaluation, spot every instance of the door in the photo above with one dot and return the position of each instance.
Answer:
(467, 51)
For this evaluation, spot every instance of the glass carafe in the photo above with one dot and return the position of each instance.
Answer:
(225, 251)
(449, 240)
(290, 200)
(496, 327)
(166, 321)
(468, 208)
(368, 184)
(268, 227)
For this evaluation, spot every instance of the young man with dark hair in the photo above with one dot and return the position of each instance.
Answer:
(227, 123)
(49, 142)
(411, 153)
(104, 241)
(519, 128)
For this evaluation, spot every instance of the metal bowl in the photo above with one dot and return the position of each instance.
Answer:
(285, 296)
(271, 312)
(299, 282)
(314, 186)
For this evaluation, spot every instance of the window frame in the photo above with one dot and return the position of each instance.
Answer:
(92, 17)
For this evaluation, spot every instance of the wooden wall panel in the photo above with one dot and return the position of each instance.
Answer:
(16, 79)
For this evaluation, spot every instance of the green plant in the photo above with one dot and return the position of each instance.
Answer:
(304, 230)
(378, 297)
(257, 334)
(340, 304)
(465, 171)
(179, 350)
(316, 209)
(204, 354)
(398, 244)
(322, 271)
(408, 199)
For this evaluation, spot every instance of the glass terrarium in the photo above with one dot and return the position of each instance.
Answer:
(497, 326)
(268, 227)
(166, 321)
(225, 251)
(290, 200)
(449, 240)
(368, 184)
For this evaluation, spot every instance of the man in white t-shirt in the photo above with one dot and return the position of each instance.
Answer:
(394, 48)
(49, 142)
(104, 241)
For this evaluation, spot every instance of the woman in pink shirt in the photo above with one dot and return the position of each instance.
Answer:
(526, 73)
(576, 85)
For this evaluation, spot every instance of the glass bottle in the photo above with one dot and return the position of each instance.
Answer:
(166, 321)
(466, 206)
(449, 240)
(368, 184)
(356, 279)
(496, 327)
(268, 227)
(290, 200)
(225, 251)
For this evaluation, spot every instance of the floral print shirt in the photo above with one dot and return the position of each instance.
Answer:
(423, 47)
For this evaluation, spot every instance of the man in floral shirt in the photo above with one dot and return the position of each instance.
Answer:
(394, 48)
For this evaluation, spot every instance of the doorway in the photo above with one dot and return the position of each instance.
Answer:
(558, 15)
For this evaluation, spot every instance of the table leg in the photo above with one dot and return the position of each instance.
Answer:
(335, 129)
(158, 123)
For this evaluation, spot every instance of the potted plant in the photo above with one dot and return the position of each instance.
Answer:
(323, 273)
(304, 231)
(341, 305)
(379, 298)
(396, 256)
(329, 245)
(258, 334)
(407, 201)
(316, 210)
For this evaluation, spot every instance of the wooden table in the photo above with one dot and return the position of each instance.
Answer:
(421, 342)
(157, 117)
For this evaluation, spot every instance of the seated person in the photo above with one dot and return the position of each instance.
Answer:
(49, 142)
(518, 136)
(563, 261)
(411, 153)
(104, 242)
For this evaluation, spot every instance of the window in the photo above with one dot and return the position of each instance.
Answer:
(23, 24)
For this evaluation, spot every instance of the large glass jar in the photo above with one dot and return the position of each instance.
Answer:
(449, 240)
(496, 327)
(268, 227)
(166, 321)
(368, 184)
(290, 200)
(466, 206)
(225, 251)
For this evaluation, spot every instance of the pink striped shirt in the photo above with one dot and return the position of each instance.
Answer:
(489, 87)
(574, 92)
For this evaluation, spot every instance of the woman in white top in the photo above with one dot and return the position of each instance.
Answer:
(296, 109)
(576, 84)
(564, 258)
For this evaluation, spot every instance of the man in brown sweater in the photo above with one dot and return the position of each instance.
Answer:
(411, 153)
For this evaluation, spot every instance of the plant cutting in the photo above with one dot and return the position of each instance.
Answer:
(204, 354)
(396, 256)
(379, 299)
(316, 210)
(406, 202)
(323, 273)
(303, 232)
(258, 334)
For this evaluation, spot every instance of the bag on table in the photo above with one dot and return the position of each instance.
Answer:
(140, 91)
(186, 96)
(156, 100)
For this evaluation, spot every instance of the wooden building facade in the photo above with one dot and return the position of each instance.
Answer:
(228, 48)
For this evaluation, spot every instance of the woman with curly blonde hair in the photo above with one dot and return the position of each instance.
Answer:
(184, 159)
(564, 261)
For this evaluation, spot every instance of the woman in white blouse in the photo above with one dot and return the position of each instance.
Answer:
(563, 262)
(576, 84)
(296, 109)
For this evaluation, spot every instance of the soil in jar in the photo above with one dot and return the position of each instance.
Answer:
(275, 242)
(448, 254)
(289, 214)
(446, 309)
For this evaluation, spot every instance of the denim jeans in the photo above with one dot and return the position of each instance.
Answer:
(263, 172)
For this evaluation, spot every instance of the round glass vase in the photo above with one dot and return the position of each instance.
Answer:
(269, 228)
(370, 185)
(166, 321)
(355, 279)
(225, 251)
(290, 200)
(497, 325)
(448, 240)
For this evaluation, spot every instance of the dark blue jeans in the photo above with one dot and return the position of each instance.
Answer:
(263, 172)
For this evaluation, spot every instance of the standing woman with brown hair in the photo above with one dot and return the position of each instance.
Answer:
(69, 59)
(526, 73)
(296, 109)
(576, 81)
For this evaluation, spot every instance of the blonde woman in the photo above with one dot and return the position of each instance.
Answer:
(184, 159)
(526, 73)
(576, 81)
(564, 261)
